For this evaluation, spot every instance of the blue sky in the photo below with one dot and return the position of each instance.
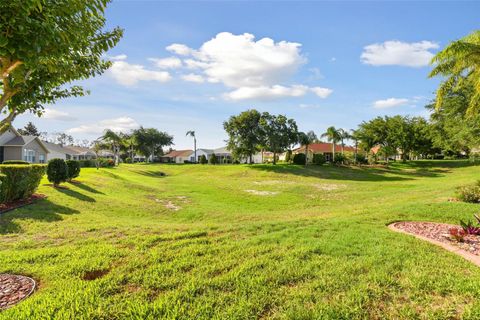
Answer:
(190, 65)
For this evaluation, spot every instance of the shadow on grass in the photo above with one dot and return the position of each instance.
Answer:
(42, 210)
(151, 173)
(85, 187)
(76, 195)
(393, 172)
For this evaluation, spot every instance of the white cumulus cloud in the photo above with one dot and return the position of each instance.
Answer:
(122, 124)
(130, 74)
(167, 63)
(415, 54)
(390, 103)
(54, 114)
(192, 77)
(255, 69)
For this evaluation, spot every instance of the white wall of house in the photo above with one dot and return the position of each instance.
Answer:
(200, 152)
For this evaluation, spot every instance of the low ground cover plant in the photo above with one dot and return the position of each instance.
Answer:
(19, 181)
(469, 193)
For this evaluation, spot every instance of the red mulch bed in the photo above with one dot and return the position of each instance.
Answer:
(4, 207)
(439, 232)
(14, 289)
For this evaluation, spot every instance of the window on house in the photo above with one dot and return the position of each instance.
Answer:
(41, 158)
(29, 155)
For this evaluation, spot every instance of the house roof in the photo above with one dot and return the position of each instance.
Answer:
(207, 151)
(178, 153)
(20, 141)
(222, 150)
(375, 149)
(57, 148)
(80, 150)
(324, 148)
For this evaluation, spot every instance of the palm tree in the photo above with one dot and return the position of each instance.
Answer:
(354, 136)
(306, 139)
(192, 134)
(460, 63)
(332, 135)
(114, 141)
(344, 135)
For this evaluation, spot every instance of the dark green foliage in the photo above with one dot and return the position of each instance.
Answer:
(57, 171)
(299, 158)
(470, 193)
(288, 156)
(128, 160)
(212, 159)
(16, 162)
(319, 159)
(203, 159)
(19, 181)
(340, 159)
(87, 163)
(474, 158)
(73, 169)
(361, 159)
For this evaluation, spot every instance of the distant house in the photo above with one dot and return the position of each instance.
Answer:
(200, 153)
(177, 156)
(14, 146)
(68, 152)
(323, 148)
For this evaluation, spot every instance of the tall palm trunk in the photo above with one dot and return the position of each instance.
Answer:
(195, 149)
(306, 154)
(333, 149)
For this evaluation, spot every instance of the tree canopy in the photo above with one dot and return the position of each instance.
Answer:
(150, 141)
(45, 45)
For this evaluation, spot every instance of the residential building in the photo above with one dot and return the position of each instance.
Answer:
(177, 156)
(323, 148)
(14, 146)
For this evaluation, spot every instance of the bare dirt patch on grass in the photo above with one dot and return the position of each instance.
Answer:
(329, 186)
(261, 192)
(438, 234)
(173, 203)
(13, 289)
(94, 274)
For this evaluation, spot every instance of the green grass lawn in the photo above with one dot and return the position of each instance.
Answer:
(315, 246)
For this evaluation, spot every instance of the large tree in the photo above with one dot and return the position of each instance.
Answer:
(244, 134)
(45, 45)
(150, 141)
(459, 63)
(114, 142)
(278, 133)
(29, 130)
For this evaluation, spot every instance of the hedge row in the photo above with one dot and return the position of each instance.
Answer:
(19, 181)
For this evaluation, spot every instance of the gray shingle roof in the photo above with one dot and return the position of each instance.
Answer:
(20, 141)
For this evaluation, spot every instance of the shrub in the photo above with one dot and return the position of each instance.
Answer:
(15, 162)
(361, 159)
(19, 181)
(212, 159)
(103, 162)
(87, 163)
(340, 159)
(73, 169)
(128, 160)
(319, 159)
(203, 159)
(474, 158)
(299, 158)
(57, 171)
(470, 193)
(288, 156)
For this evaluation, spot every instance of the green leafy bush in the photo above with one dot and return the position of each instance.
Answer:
(470, 193)
(474, 158)
(340, 159)
(203, 159)
(212, 159)
(319, 159)
(128, 160)
(16, 162)
(361, 159)
(73, 169)
(299, 158)
(87, 163)
(106, 163)
(19, 181)
(57, 171)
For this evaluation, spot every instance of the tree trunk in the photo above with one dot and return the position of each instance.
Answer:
(251, 158)
(195, 149)
(274, 157)
(333, 149)
(306, 155)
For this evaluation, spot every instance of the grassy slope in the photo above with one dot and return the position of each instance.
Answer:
(304, 253)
